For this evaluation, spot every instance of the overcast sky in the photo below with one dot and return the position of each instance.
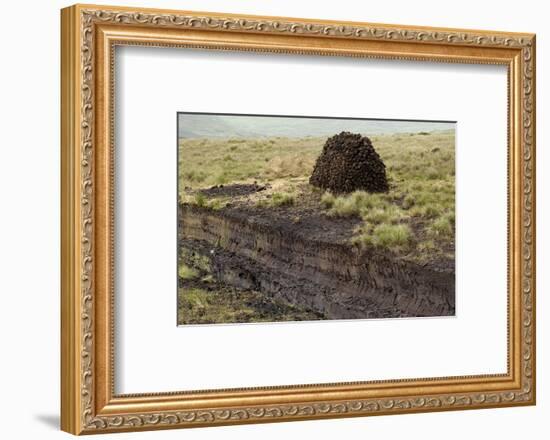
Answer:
(210, 125)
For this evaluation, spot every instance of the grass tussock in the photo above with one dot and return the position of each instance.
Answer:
(393, 237)
(200, 200)
(186, 272)
(443, 226)
(355, 203)
(277, 199)
(327, 200)
(282, 199)
(373, 208)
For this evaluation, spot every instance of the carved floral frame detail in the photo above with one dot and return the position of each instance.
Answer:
(88, 402)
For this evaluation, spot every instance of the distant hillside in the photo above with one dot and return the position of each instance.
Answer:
(214, 126)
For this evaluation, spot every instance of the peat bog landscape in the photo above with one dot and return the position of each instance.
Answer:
(290, 228)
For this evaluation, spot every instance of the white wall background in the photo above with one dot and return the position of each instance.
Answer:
(29, 233)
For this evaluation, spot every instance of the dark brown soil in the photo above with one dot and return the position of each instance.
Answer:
(348, 163)
(234, 190)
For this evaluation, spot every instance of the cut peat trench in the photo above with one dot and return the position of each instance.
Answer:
(337, 280)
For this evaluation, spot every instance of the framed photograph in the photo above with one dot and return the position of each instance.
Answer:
(297, 218)
(270, 219)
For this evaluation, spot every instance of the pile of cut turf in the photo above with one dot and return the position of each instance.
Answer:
(348, 163)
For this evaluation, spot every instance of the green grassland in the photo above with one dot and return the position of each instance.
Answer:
(415, 219)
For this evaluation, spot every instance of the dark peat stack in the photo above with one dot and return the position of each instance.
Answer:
(348, 163)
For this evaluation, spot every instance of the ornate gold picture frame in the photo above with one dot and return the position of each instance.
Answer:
(89, 35)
